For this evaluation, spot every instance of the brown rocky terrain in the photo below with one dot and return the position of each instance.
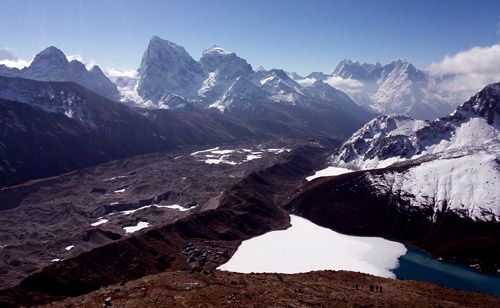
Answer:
(39, 219)
(202, 240)
(320, 289)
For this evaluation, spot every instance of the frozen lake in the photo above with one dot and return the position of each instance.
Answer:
(307, 247)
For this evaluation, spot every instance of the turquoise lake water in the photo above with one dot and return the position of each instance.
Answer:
(419, 265)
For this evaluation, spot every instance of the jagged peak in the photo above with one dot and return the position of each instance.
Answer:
(401, 60)
(96, 69)
(52, 54)
(216, 50)
(317, 75)
(158, 44)
(493, 88)
(485, 103)
(77, 64)
(347, 61)
(279, 73)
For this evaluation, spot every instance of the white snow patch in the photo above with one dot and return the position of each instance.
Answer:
(56, 260)
(328, 171)
(70, 247)
(128, 212)
(266, 80)
(140, 225)
(221, 152)
(307, 247)
(278, 151)
(220, 160)
(178, 207)
(119, 191)
(116, 178)
(252, 157)
(203, 151)
(173, 206)
(99, 222)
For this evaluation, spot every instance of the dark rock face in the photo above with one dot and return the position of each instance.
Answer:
(201, 127)
(39, 144)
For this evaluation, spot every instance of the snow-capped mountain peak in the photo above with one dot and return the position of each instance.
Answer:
(452, 162)
(51, 64)
(48, 58)
(387, 139)
(349, 69)
(395, 88)
(215, 49)
(242, 92)
(485, 104)
(280, 86)
(167, 68)
(224, 81)
(221, 69)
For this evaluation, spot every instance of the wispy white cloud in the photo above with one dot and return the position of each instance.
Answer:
(468, 71)
(18, 63)
(76, 57)
(350, 86)
(115, 73)
(306, 81)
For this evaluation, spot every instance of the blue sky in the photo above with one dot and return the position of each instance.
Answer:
(301, 36)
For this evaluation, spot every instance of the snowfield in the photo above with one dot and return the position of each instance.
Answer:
(308, 247)
(468, 183)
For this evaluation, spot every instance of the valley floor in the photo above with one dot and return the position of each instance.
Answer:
(322, 288)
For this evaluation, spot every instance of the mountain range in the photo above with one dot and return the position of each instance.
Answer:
(168, 77)
(395, 88)
(167, 71)
(51, 64)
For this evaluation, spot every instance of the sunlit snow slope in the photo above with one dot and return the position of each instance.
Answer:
(307, 247)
